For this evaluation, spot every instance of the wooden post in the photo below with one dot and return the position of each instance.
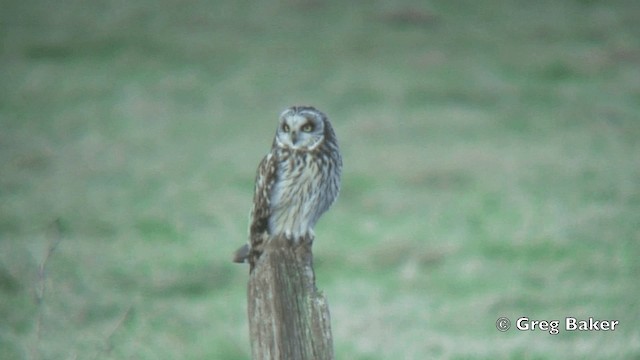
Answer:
(288, 318)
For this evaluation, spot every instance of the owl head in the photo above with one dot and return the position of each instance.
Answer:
(301, 128)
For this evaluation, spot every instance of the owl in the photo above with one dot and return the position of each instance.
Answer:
(296, 182)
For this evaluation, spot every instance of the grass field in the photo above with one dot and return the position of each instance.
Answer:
(491, 168)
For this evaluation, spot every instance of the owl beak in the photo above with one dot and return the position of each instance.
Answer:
(294, 137)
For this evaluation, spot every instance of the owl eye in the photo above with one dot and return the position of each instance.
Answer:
(307, 127)
(285, 127)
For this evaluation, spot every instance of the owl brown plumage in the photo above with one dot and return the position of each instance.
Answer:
(295, 183)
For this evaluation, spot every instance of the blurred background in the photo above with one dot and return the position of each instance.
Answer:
(491, 168)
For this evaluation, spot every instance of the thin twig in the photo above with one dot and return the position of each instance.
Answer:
(54, 235)
(108, 344)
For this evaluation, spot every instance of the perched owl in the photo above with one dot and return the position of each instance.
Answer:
(296, 182)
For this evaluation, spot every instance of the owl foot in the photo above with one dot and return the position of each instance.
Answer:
(297, 240)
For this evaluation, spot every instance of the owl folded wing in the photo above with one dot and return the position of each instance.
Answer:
(260, 212)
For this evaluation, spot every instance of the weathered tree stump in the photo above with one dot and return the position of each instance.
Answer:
(288, 317)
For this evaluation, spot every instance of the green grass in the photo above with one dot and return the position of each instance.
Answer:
(491, 168)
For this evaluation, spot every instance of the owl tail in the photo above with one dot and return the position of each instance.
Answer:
(242, 254)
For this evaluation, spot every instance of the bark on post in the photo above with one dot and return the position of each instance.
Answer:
(288, 317)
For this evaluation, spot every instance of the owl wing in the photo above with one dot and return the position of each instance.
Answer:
(260, 212)
(265, 180)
